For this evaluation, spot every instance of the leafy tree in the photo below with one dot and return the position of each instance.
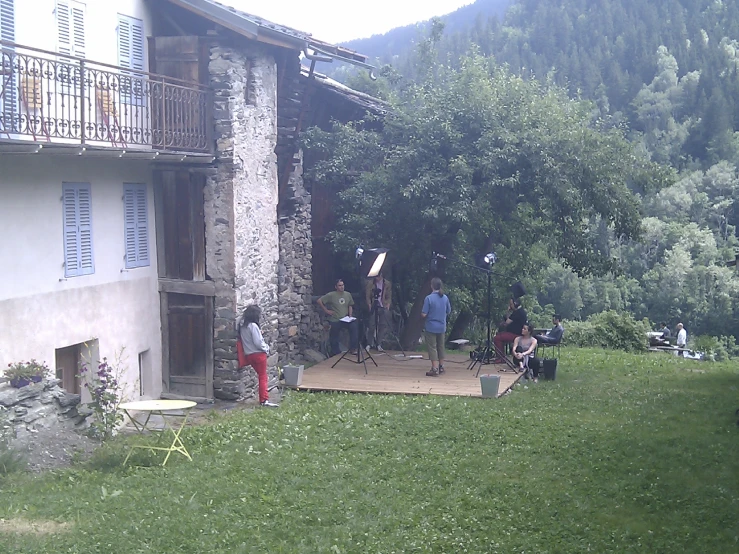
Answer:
(477, 158)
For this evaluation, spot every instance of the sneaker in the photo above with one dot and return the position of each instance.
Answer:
(380, 348)
(433, 372)
(268, 404)
(441, 369)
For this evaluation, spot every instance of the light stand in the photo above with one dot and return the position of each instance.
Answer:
(486, 354)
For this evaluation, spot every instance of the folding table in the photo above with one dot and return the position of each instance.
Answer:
(171, 411)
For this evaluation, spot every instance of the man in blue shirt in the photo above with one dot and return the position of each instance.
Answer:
(436, 308)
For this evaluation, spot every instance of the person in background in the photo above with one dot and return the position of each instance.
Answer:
(554, 335)
(682, 338)
(665, 330)
(523, 348)
(378, 295)
(436, 308)
(336, 305)
(512, 327)
(256, 350)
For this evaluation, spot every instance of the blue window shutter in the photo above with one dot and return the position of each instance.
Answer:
(131, 56)
(124, 42)
(70, 24)
(130, 42)
(64, 38)
(136, 225)
(71, 235)
(129, 217)
(7, 20)
(84, 201)
(77, 215)
(142, 226)
(8, 100)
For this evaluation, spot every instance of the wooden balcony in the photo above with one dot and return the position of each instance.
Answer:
(46, 97)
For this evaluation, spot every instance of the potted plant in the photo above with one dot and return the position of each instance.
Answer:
(21, 374)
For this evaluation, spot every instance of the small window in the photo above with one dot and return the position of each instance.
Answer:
(135, 215)
(77, 206)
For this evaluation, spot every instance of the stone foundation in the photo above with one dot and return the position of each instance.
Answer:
(39, 406)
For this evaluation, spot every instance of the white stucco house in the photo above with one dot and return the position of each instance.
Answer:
(146, 149)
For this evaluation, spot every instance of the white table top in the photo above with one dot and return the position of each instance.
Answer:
(158, 405)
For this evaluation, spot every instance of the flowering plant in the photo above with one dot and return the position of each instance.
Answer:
(106, 390)
(27, 371)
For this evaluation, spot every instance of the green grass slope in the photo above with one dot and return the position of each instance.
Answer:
(622, 453)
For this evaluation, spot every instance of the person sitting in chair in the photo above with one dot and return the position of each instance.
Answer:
(523, 348)
(554, 335)
(512, 327)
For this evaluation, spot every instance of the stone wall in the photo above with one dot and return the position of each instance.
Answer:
(300, 327)
(39, 407)
(242, 239)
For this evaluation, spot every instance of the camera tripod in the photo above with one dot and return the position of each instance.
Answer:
(375, 314)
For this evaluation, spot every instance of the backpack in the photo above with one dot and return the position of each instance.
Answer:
(240, 354)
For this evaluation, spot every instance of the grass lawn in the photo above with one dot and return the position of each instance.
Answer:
(623, 453)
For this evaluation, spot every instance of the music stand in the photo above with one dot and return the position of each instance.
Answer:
(362, 353)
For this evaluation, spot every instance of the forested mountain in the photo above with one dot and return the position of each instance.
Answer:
(666, 72)
(400, 39)
(670, 68)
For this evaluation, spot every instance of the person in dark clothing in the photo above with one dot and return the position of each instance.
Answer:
(512, 326)
(554, 335)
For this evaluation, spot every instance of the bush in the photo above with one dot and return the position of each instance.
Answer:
(613, 330)
(717, 349)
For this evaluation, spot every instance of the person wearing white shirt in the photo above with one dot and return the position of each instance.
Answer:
(682, 337)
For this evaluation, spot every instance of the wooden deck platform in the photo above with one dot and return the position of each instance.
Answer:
(395, 374)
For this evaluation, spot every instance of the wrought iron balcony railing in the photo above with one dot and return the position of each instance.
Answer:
(45, 96)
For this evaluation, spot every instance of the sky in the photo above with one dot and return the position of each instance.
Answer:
(341, 20)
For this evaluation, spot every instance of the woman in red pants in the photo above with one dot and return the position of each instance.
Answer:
(256, 350)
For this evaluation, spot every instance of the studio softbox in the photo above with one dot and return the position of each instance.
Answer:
(372, 261)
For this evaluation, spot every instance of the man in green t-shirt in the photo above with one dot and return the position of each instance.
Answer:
(338, 305)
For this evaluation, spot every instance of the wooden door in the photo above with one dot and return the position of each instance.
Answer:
(177, 116)
(190, 325)
(186, 295)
